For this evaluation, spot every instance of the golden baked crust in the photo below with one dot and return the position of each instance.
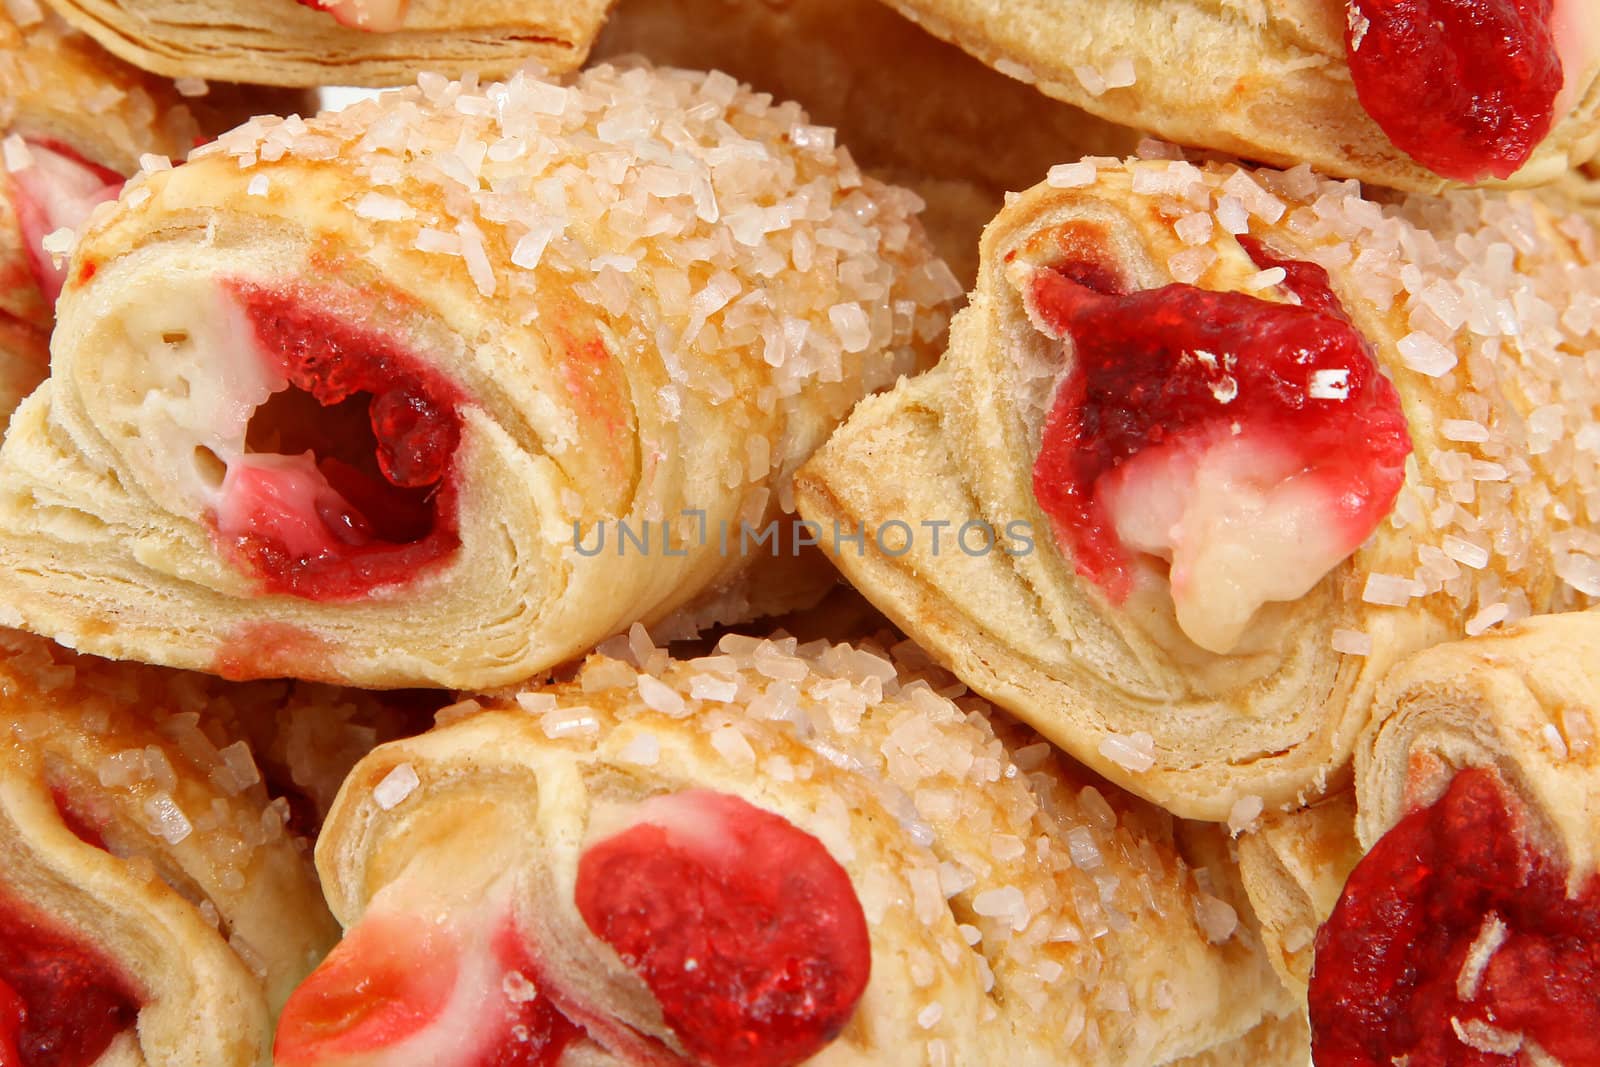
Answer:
(912, 109)
(1263, 81)
(1487, 526)
(1101, 930)
(1521, 702)
(1294, 867)
(200, 894)
(281, 42)
(624, 352)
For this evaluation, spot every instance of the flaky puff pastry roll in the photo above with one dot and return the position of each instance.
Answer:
(312, 43)
(74, 121)
(455, 383)
(914, 110)
(154, 907)
(1179, 496)
(1294, 866)
(1412, 95)
(1470, 931)
(769, 855)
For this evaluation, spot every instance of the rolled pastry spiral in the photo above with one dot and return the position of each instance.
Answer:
(455, 383)
(338, 42)
(155, 907)
(1191, 618)
(969, 895)
(74, 122)
(914, 110)
(1293, 866)
(1273, 82)
(1470, 931)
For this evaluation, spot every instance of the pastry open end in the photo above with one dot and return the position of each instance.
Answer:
(155, 906)
(1470, 930)
(1212, 448)
(73, 123)
(311, 43)
(455, 383)
(1409, 94)
(771, 854)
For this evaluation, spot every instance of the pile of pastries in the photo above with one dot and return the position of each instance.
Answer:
(733, 533)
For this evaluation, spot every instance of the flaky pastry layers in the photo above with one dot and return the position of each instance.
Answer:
(1293, 866)
(453, 384)
(338, 42)
(914, 110)
(1470, 931)
(767, 855)
(154, 907)
(1180, 497)
(1517, 87)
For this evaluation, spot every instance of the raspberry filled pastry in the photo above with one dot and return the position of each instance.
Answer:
(309, 43)
(338, 42)
(154, 909)
(1470, 931)
(1213, 448)
(768, 855)
(1411, 94)
(914, 110)
(455, 383)
(74, 122)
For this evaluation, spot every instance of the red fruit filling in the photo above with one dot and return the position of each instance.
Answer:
(1467, 88)
(347, 484)
(61, 1002)
(57, 190)
(404, 988)
(744, 927)
(1456, 944)
(389, 978)
(1252, 443)
(375, 16)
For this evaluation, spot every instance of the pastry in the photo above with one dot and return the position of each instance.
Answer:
(154, 907)
(1212, 448)
(1470, 931)
(1411, 94)
(454, 383)
(913, 110)
(610, 870)
(74, 121)
(1294, 866)
(338, 42)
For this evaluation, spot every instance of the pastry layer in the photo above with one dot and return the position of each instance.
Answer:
(1273, 82)
(283, 42)
(1178, 403)
(141, 850)
(1016, 906)
(455, 383)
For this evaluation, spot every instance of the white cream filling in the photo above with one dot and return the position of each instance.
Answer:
(1241, 522)
(1575, 26)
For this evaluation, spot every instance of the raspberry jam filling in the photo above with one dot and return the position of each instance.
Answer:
(54, 188)
(347, 482)
(1251, 444)
(61, 1002)
(374, 16)
(403, 989)
(1467, 88)
(747, 931)
(1455, 943)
